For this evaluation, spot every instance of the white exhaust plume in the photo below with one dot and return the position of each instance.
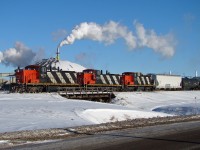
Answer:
(161, 44)
(111, 31)
(20, 55)
(107, 33)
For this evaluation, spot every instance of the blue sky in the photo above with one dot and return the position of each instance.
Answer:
(42, 25)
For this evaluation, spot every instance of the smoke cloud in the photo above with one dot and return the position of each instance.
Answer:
(20, 55)
(111, 31)
(160, 44)
(106, 33)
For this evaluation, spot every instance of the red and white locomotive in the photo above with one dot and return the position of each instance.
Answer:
(43, 77)
(47, 76)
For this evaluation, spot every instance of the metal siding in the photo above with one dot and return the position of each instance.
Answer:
(74, 76)
(115, 79)
(56, 77)
(112, 79)
(65, 77)
(147, 79)
(139, 81)
(61, 77)
(119, 78)
(143, 81)
(105, 77)
(109, 79)
(70, 77)
(51, 77)
(102, 79)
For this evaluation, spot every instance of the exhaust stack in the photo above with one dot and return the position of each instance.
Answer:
(58, 54)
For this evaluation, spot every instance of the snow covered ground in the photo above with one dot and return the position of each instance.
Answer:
(170, 102)
(42, 111)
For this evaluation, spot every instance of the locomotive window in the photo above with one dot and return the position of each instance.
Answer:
(44, 69)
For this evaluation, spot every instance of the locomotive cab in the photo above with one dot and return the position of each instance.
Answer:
(127, 78)
(30, 74)
(88, 76)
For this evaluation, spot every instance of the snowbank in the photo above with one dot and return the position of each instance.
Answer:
(170, 102)
(42, 111)
(111, 115)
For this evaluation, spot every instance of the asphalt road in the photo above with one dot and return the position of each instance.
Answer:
(172, 136)
(184, 140)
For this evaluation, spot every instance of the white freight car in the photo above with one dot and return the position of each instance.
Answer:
(170, 82)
